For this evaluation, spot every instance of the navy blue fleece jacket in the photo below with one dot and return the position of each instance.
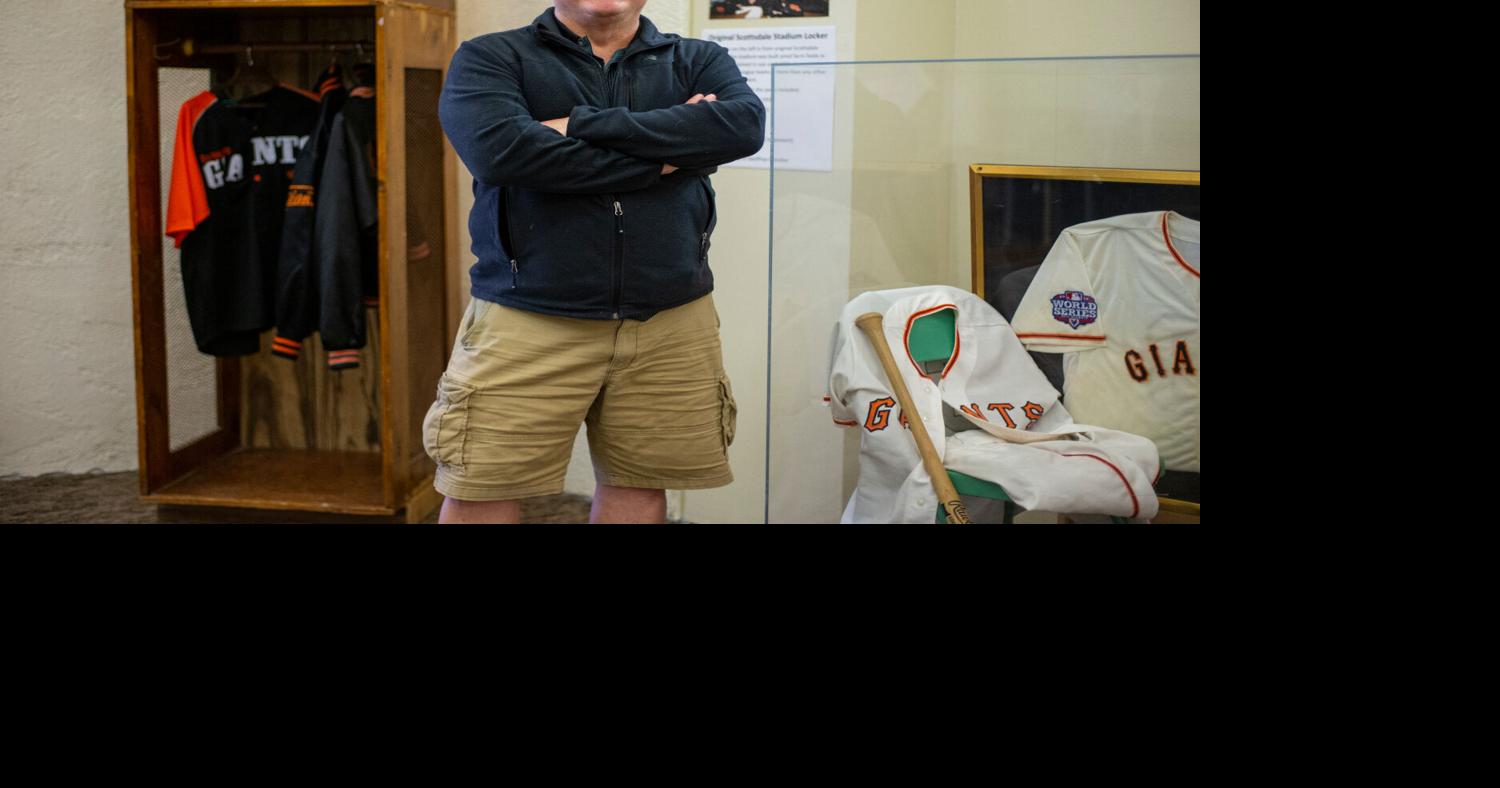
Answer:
(585, 225)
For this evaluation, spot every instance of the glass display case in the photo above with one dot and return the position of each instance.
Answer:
(962, 173)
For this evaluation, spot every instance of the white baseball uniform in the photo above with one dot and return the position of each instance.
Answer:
(1027, 442)
(1119, 296)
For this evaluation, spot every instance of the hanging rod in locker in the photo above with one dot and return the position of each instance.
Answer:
(189, 47)
(307, 46)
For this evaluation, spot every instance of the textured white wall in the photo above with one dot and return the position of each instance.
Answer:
(67, 368)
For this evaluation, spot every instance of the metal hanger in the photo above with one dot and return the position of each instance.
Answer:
(249, 80)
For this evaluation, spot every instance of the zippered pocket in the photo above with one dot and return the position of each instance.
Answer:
(507, 238)
(708, 227)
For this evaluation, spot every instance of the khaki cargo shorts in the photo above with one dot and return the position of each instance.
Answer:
(653, 393)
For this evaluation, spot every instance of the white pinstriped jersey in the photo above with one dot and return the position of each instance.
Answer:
(1027, 441)
(1119, 296)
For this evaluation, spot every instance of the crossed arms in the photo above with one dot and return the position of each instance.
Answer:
(593, 151)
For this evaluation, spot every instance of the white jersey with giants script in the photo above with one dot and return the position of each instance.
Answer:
(1025, 440)
(1120, 297)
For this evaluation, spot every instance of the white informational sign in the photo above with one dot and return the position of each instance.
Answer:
(804, 96)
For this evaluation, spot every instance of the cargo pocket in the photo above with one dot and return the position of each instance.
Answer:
(445, 431)
(727, 411)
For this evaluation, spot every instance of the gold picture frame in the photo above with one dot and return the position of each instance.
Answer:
(1041, 207)
(980, 173)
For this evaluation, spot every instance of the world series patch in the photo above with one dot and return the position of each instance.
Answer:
(1075, 308)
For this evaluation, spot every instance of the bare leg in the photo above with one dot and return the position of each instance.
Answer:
(628, 505)
(498, 512)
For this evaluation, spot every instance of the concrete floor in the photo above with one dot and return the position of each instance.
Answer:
(115, 498)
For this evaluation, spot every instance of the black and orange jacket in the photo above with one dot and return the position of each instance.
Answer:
(296, 278)
(346, 238)
(231, 165)
(330, 254)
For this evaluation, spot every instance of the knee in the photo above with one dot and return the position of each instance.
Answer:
(639, 494)
(457, 511)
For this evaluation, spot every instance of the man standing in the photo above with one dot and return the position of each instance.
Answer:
(590, 136)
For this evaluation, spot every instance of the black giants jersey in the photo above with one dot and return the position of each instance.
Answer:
(230, 170)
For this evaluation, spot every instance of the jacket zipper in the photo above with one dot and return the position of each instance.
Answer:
(617, 273)
(619, 268)
(707, 226)
(509, 241)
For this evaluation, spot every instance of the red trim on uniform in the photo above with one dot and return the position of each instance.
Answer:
(843, 423)
(287, 342)
(1133, 500)
(827, 398)
(1060, 336)
(1168, 236)
(905, 336)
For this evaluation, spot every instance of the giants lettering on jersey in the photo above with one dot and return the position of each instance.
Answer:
(1182, 362)
(1032, 410)
(225, 166)
(879, 416)
(277, 150)
(221, 166)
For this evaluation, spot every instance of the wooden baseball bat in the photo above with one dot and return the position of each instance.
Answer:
(873, 324)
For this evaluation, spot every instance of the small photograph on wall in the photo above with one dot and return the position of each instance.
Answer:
(766, 9)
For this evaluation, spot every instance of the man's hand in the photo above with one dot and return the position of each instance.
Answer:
(559, 125)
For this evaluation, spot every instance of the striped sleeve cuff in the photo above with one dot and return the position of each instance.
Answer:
(286, 348)
(343, 359)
